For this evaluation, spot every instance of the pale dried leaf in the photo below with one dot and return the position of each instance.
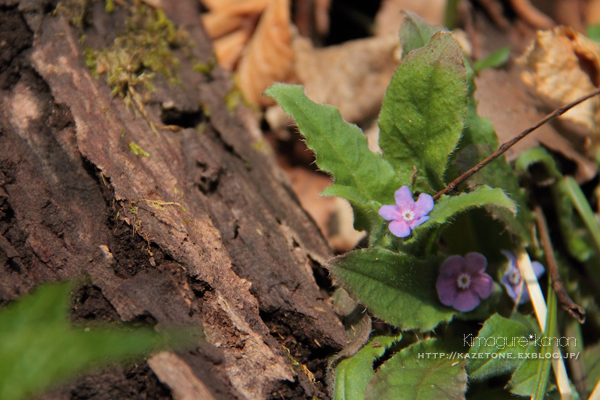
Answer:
(505, 101)
(552, 70)
(236, 6)
(592, 14)
(389, 17)
(269, 56)
(353, 76)
(322, 16)
(218, 24)
(229, 47)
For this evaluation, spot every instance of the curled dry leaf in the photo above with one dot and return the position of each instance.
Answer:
(560, 66)
(228, 48)
(592, 12)
(236, 7)
(353, 76)
(230, 24)
(506, 102)
(269, 56)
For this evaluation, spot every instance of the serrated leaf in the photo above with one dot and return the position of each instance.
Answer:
(414, 374)
(501, 336)
(353, 374)
(396, 287)
(415, 32)
(424, 110)
(340, 148)
(39, 347)
(448, 206)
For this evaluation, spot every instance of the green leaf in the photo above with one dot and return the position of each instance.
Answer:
(39, 347)
(415, 32)
(532, 376)
(396, 287)
(504, 337)
(353, 374)
(424, 110)
(494, 60)
(591, 361)
(538, 155)
(593, 32)
(340, 148)
(499, 174)
(414, 374)
(448, 206)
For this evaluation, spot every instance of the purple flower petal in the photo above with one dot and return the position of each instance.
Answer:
(389, 212)
(418, 221)
(513, 291)
(462, 282)
(399, 228)
(538, 269)
(447, 290)
(483, 285)
(476, 263)
(466, 300)
(452, 267)
(404, 199)
(513, 288)
(423, 205)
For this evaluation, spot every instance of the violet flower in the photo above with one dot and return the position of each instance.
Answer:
(512, 281)
(462, 282)
(406, 214)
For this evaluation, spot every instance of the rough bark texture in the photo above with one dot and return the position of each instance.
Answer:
(236, 255)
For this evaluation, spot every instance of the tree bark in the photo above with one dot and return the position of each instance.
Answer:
(204, 231)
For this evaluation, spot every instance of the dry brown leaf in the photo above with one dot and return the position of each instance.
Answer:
(229, 47)
(505, 101)
(592, 15)
(353, 76)
(333, 215)
(552, 69)
(218, 24)
(238, 7)
(388, 18)
(269, 56)
(322, 16)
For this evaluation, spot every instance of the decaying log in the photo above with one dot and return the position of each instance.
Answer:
(203, 231)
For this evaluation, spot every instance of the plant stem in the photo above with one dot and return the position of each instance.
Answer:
(574, 309)
(507, 145)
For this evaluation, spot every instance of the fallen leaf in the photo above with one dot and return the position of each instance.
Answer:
(236, 6)
(269, 57)
(560, 66)
(352, 76)
(228, 48)
(506, 102)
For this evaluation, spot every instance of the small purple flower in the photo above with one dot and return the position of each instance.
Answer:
(462, 282)
(406, 214)
(512, 278)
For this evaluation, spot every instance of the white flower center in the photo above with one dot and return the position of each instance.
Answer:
(463, 281)
(408, 215)
(514, 277)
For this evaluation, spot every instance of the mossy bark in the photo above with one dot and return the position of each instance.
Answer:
(203, 230)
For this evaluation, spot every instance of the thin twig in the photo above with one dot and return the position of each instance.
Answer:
(572, 308)
(505, 146)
